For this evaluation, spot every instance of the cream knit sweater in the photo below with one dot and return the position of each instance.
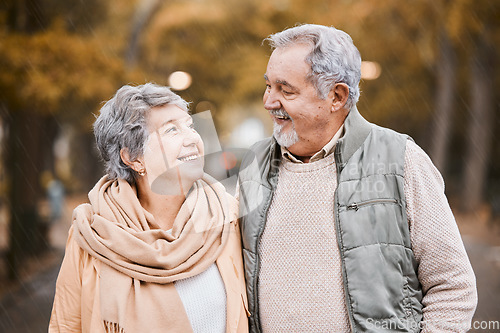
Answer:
(300, 279)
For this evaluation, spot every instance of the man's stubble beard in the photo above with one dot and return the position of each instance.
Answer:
(285, 139)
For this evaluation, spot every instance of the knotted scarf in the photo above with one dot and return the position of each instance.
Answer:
(141, 261)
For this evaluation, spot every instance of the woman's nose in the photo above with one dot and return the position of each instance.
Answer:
(191, 136)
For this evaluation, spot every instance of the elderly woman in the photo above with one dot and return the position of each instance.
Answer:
(157, 247)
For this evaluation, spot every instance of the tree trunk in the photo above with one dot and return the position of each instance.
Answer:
(25, 15)
(84, 149)
(27, 148)
(446, 73)
(480, 133)
(143, 15)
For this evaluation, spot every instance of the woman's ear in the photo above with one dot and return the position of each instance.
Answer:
(339, 95)
(137, 165)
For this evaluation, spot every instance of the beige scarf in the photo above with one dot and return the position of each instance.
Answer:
(141, 260)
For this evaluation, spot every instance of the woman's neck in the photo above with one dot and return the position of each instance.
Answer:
(164, 208)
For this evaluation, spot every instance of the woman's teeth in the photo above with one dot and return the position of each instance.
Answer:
(188, 158)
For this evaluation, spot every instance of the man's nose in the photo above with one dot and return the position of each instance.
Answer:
(271, 102)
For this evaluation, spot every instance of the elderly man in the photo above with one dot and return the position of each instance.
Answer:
(345, 227)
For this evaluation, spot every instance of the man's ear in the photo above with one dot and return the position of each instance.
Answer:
(135, 165)
(339, 95)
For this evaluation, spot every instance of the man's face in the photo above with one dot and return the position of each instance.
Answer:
(303, 122)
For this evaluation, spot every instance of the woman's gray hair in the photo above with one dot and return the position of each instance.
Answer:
(333, 58)
(122, 124)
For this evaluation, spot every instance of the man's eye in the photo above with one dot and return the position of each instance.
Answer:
(191, 126)
(268, 86)
(286, 92)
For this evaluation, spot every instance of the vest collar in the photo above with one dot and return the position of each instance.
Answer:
(357, 129)
(275, 155)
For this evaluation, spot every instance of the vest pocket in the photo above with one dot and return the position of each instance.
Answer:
(375, 220)
(356, 205)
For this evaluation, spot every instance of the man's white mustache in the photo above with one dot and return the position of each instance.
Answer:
(279, 113)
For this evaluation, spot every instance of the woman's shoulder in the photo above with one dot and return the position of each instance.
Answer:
(83, 210)
(75, 256)
(80, 261)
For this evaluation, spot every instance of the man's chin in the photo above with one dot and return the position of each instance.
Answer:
(284, 135)
(286, 140)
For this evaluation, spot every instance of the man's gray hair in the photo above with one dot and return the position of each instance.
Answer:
(122, 123)
(333, 58)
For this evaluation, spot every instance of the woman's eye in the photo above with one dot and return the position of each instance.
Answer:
(172, 129)
(191, 126)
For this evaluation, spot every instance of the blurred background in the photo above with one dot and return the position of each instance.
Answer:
(431, 69)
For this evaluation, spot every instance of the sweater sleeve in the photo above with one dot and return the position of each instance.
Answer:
(66, 310)
(444, 271)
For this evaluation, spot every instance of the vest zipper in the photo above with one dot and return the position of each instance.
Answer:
(340, 241)
(356, 205)
(256, 313)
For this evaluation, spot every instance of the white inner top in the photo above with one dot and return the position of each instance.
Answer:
(204, 299)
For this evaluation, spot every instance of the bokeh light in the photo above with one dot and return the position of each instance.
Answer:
(370, 70)
(179, 80)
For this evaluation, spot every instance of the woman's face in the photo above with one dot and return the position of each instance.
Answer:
(174, 151)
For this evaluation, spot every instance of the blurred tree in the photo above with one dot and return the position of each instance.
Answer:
(49, 74)
(446, 69)
(480, 20)
(145, 10)
(392, 34)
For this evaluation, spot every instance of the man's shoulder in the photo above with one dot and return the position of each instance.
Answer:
(416, 156)
(390, 132)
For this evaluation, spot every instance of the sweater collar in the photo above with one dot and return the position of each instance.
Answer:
(356, 129)
(324, 152)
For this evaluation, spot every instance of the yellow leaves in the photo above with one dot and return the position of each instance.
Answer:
(44, 70)
(460, 17)
(179, 14)
(42, 90)
(249, 65)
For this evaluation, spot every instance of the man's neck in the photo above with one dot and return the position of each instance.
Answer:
(304, 159)
(327, 150)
